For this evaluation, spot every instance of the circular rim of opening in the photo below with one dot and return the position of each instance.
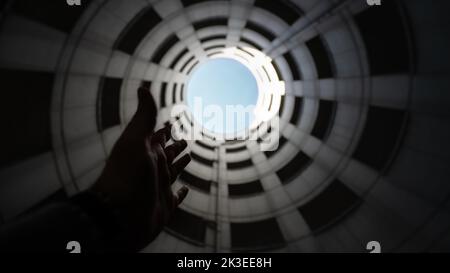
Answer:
(268, 83)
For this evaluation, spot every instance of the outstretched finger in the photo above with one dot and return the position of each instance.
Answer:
(179, 166)
(144, 119)
(164, 174)
(162, 135)
(173, 150)
(181, 195)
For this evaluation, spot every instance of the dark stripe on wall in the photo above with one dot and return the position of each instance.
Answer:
(213, 37)
(214, 53)
(282, 101)
(385, 40)
(233, 141)
(201, 159)
(264, 234)
(136, 30)
(295, 71)
(182, 92)
(321, 57)
(261, 30)
(214, 47)
(239, 164)
(108, 112)
(204, 145)
(56, 14)
(298, 107)
(25, 114)
(382, 131)
(285, 10)
(191, 227)
(187, 3)
(196, 182)
(267, 73)
(162, 96)
(324, 120)
(294, 168)
(246, 51)
(245, 189)
(237, 149)
(209, 22)
(186, 63)
(174, 93)
(163, 48)
(271, 101)
(178, 57)
(281, 142)
(277, 69)
(329, 206)
(192, 67)
(247, 41)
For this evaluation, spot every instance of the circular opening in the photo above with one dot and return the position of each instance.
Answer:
(222, 94)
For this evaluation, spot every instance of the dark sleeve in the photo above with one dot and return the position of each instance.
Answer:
(84, 218)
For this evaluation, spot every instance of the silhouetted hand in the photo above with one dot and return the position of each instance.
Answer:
(137, 178)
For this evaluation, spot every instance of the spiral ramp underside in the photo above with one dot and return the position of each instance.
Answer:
(359, 92)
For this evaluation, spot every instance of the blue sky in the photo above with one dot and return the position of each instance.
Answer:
(222, 82)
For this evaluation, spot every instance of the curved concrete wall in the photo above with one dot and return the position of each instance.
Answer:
(363, 141)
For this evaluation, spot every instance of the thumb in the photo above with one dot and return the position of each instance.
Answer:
(144, 119)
